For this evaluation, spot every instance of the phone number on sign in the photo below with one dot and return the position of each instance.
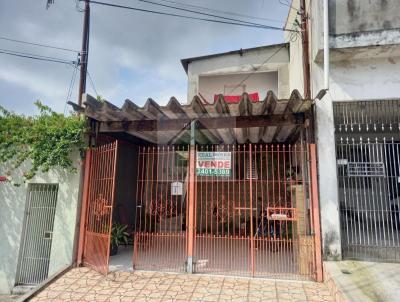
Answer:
(213, 172)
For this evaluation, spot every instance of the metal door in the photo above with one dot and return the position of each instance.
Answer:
(368, 167)
(100, 201)
(162, 194)
(369, 180)
(37, 234)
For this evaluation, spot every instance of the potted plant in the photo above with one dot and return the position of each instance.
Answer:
(119, 236)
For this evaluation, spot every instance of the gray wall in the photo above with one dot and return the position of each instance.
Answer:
(12, 207)
(352, 16)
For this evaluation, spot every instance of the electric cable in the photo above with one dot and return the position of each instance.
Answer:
(35, 57)
(223, 12)
(200, 13)
(91, 82)
(38, 44)
(186, 17)
(71, 87)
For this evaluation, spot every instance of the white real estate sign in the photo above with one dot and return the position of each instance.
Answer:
(214, 164)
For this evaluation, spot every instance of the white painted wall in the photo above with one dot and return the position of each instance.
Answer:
(12, 205)
(236, 64)
(259, 82)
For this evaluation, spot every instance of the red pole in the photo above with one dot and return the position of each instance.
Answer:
(315, 213)
(85, 200)
(190, 218)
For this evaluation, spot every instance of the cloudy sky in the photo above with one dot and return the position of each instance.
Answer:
(132, 54)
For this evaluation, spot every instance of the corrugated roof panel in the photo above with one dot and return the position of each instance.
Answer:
(106, 113)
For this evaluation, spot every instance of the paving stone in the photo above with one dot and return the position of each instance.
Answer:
(82, 284)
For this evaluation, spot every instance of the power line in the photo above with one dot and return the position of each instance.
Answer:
(223, 12)
(257, 68)
(201, 13)
(31, 54)
(285, 3)
(35, 57)
(38, 44)
(187, 17)
(71, 87)
(92, 83)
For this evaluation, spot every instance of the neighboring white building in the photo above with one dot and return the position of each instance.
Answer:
(38, 221)
(364, 66)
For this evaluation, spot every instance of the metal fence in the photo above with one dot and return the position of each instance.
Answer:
(37, 234)
(368, 165)
(253, 219)
(256, 221)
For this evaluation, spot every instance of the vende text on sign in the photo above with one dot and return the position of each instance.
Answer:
(214, 163)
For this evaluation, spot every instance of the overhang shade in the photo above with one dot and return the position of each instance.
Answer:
(270, 120)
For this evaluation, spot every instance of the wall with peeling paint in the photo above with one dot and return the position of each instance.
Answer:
(353, 16)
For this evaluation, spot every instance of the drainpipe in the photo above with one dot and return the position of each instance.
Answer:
(326, 44)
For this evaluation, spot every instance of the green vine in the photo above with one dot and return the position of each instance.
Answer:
(46, 140)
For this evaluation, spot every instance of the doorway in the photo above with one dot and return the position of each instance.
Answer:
(124, 212)
(37, 236)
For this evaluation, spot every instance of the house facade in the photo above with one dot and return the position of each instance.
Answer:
(247, 177)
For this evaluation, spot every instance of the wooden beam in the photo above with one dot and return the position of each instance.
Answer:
(223, 122)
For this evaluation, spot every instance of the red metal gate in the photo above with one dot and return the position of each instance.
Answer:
(162, 186)
(99, 195)
(260, 220)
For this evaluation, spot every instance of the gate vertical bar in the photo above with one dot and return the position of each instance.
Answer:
(191, 205)
(113, 188)
(85, 200)
(315, 213)
(251, 210)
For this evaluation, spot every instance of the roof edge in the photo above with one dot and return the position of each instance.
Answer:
(185, 62)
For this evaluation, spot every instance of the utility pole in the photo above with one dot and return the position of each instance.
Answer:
(84, 55)
(306, 55)
(84, 52)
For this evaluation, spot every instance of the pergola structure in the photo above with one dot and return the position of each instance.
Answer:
(269, 121)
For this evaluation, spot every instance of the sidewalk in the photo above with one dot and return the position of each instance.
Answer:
(360, 281)
(82, 284)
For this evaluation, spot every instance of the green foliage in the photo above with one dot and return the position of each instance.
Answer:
(119, 234)
(47, 140)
